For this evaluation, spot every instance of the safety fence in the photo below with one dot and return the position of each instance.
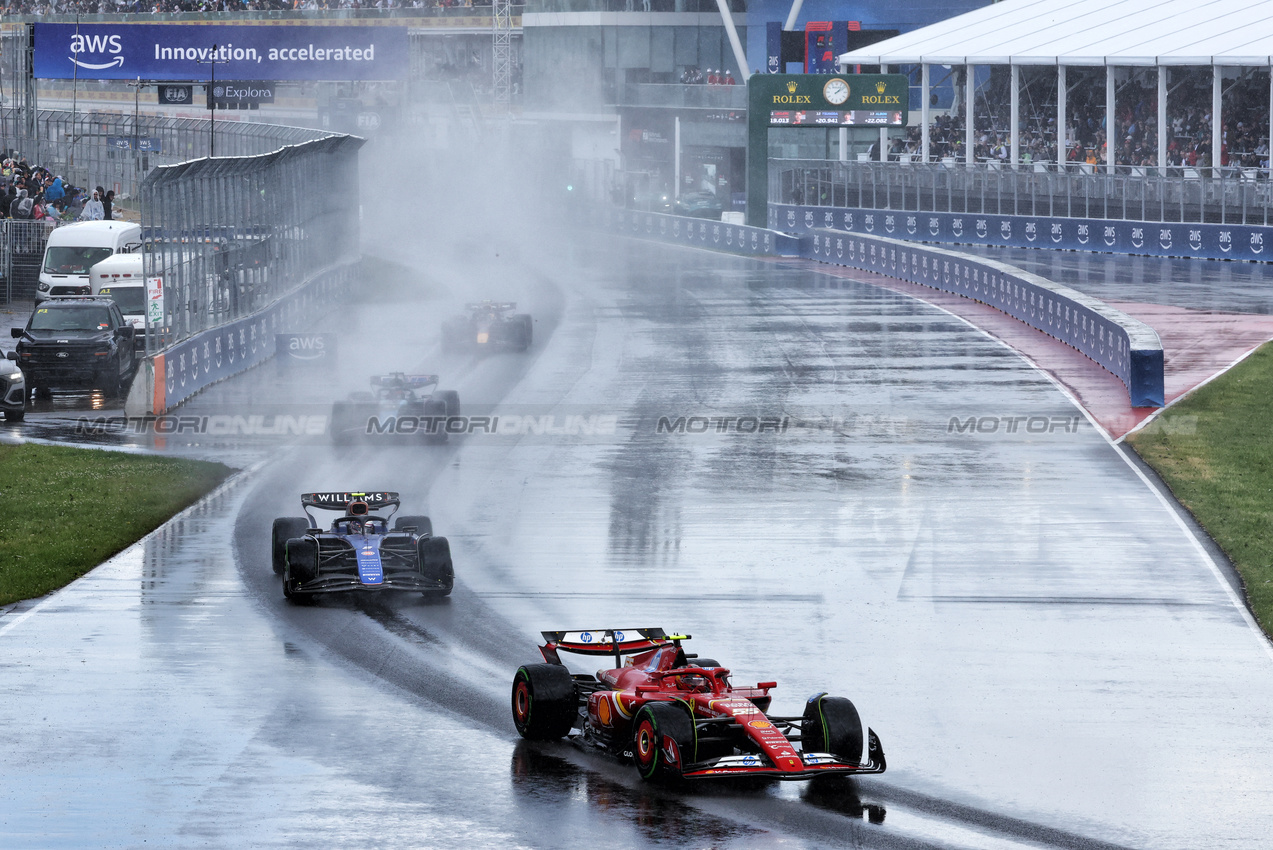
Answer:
(229, 236)
(1127, 347)
(1183, 195)
(182, 370)
(116, 151)
(1154, 239)
(683, 230)
(21, 252)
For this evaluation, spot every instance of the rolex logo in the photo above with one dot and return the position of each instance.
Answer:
(880, 86)
(791, 87)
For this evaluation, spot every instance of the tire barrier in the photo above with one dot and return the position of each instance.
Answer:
(179, 372)
(701, 232)
(1110, 236)
(1124, 346)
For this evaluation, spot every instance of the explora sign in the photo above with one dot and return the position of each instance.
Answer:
(241, 52)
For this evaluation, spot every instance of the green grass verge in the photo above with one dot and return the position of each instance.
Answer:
(66, 510)
(1215, 453)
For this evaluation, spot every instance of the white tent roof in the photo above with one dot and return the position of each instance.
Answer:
(1088, 32)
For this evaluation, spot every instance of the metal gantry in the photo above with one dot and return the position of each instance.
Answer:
(502, 53)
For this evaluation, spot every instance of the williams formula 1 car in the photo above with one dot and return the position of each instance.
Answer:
(359, 552)
(398, 404)
(676, 715)
(488, 326)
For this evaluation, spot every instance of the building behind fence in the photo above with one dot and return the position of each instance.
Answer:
(231, 235)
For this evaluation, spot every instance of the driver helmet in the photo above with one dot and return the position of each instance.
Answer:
(693, 682)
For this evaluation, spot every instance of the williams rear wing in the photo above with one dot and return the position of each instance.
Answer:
(492, 305)
(616, 642)
(341, 501)
(398, 379)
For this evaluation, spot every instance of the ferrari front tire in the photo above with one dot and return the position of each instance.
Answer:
(832, 725)
(283, 530)
(662, 741)
(545, 706)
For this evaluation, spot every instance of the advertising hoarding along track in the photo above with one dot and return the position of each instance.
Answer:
(243, 52)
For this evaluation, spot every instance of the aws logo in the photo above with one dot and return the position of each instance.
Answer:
(97, 44)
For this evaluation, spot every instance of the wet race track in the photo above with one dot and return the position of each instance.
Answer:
(1049, 655)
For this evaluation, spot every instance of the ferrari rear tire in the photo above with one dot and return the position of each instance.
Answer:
(545, 705)
(663, 741)
(422, 524)
(832, 725)
(302, 560)
(435, 564)
(284, 529)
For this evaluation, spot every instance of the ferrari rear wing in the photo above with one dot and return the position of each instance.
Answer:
(616, 642)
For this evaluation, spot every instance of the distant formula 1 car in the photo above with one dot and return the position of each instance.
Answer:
(488, 326)
(677, 716)
(398, 404)
(359, 552)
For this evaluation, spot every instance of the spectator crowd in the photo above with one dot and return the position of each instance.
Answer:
(693, 75)
(33, 193)
(1244, 134)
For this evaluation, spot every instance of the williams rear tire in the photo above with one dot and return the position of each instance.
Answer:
(832, 725)
(422, 524)
(284, 529)
(545, 705)
(451, 399)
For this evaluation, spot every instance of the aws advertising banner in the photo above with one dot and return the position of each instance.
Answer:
(186, 52)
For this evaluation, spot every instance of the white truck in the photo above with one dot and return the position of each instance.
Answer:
(73, 249)
(121, 277)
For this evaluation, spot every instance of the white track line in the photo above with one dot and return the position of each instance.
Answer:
(1237, 601)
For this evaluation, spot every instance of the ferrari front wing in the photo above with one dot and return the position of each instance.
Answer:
(812, 764)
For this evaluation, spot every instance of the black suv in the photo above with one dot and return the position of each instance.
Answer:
(77, 342)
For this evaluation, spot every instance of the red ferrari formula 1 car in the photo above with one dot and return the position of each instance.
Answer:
(676, 715)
